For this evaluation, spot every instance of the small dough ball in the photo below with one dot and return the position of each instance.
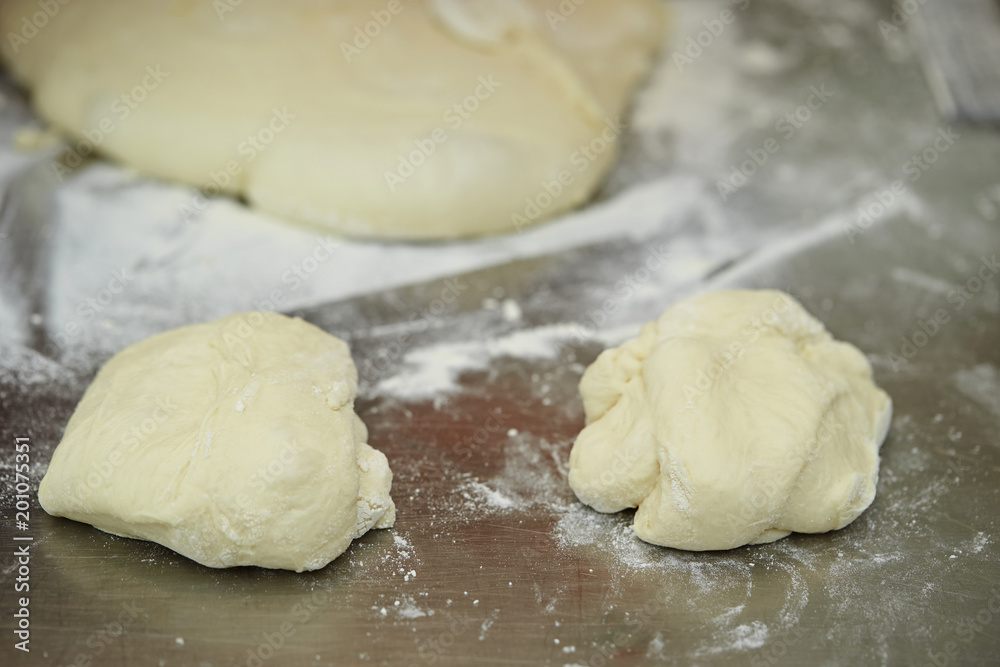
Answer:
(409, 119)
(733, 419)
(232, 443)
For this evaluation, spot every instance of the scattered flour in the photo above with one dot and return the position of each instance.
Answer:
(433, 370)
(511, 310)
(979, 542)
(487, 624)
(476, 492)
(656, 648)
(407, 607)
(403, 546)
(742, 638)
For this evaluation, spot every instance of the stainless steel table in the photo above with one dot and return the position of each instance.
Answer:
(492, 561)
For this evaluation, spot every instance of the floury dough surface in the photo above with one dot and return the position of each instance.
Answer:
(733, 419)
(445, 120)
(232, 443)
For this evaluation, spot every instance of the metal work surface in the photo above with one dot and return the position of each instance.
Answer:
(961, 44)
(469, 388)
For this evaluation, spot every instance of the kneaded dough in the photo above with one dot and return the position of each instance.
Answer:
(306, 108)
(232, 443)
(733, 419)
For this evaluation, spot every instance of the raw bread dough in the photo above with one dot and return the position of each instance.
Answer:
(490, 101)
(734, 419)
(232, 443)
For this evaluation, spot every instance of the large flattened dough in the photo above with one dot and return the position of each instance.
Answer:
(552, 76)
(734, 419)
(233, 443)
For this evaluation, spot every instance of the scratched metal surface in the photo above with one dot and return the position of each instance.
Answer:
(915, 580)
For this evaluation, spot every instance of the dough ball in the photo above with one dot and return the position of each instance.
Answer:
(402, 118)
(733, 419)
(232, 443)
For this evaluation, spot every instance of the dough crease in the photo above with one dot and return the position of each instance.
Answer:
(734, 419)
